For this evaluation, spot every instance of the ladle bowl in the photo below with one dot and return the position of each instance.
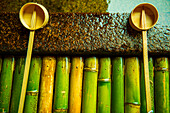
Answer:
(151, 14)
(26, 12)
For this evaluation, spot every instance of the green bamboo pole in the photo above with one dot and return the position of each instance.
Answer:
(6, 83)
(117, 85)
(161, 85)
(142, 89)
(90, 85)
(31, 98)
(151, 78)
(0, 64)
(76, 79)
(104, 86)
(61, 85)
(169, 81)
(142, 84)
(132, 85)
(47, 84)
(17, 84)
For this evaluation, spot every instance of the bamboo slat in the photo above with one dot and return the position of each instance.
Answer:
(76, 79)
(132, 108)
(6, 78)
(117, 85)
(161, 85)
(17, 84)
(142, 86)
(151, 79)
(31, 99)
(90, 85)
(132, 85)
(104, 86)
(169, 81)
(0, 64)
(46, 85)
(61, 85)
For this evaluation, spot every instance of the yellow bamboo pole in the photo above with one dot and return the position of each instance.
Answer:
(46, 86)
(76, 85)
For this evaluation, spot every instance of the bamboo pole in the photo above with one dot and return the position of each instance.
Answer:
(132, 85)
(0, 64)
(104, 86)
(6, 83)
(90, 85)
(117, 85)
(31, 99)
(76, 79)
(17, 84)
(61, 85)
(151, 80)
(46, 85)
(142, 86)
(161, 85)
(169, 81)
(142, 89)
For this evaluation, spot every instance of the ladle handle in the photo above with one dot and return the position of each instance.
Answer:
(27, 64)
(145, 58)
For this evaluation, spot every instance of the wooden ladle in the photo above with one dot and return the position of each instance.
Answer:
(143, 17)
(33, 16)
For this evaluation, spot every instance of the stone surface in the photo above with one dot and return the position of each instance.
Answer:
(82, 33)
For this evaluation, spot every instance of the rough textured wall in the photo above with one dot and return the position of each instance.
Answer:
(82, 33)
(95, 32)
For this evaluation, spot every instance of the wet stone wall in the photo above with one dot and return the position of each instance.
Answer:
(82, 34)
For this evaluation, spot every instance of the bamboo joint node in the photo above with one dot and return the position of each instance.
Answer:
(134, 103)
(161, 69)
(3, 110)
(91, 69)
(32, 93)
(59, 110)
(104, 80)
